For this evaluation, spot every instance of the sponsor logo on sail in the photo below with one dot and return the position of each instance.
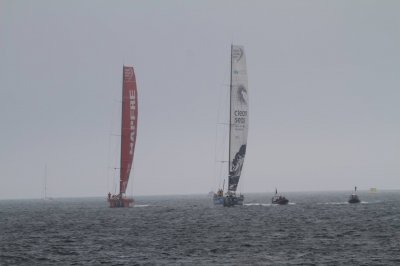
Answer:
(237, 53)
(128, 73)
(242, 94)
(132, 107)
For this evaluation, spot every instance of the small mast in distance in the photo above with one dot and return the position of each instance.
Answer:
(129, 120)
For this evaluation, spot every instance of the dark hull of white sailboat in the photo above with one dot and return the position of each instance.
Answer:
(354, 199)
(233, 200)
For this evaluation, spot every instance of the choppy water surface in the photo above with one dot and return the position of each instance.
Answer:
(319, 228)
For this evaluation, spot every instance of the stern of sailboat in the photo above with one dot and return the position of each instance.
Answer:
(116, 201)
(231, 199)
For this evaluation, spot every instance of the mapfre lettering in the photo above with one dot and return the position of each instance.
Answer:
(132, 105)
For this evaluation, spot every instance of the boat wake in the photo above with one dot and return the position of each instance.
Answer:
(333, 203)
(257, 204)
(266, 204)
(141, 205)
(340, 203)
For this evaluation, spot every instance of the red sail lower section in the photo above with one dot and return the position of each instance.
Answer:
(128, 125)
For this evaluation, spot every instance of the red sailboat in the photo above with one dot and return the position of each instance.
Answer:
(128, 137)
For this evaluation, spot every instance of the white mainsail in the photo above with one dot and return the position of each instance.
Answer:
(239, 111)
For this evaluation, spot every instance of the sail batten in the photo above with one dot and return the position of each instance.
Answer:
(239, 111)
(128, 125)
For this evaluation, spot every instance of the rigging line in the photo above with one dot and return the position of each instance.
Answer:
(224, 143)
(131, 179)
(221, 104)
(220, 149)
(111, 148)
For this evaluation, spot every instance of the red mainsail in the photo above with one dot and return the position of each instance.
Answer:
(128, 125)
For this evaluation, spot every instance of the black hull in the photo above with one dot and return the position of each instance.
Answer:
(280, 200)
(354, 199)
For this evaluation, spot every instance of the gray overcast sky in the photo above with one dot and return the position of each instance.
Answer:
(323, 80)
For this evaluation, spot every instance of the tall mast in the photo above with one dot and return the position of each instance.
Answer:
(230, 115)
(122, 131)
(45, 181)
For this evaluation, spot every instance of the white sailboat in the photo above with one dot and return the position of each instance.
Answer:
(238, 128)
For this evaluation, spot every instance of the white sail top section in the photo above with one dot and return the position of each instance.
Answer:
(239, 111)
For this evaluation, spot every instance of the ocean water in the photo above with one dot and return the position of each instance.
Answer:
(315, 229)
